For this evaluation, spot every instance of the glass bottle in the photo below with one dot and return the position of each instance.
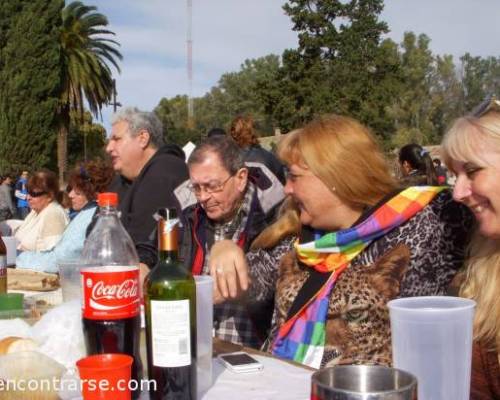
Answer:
(170, 304)
(111, 289)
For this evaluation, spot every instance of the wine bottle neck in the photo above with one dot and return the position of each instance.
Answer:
(168, 255)
(167, 237)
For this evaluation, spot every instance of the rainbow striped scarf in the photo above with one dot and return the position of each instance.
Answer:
(302, 337)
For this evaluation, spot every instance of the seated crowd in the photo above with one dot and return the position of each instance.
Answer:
(326, 246)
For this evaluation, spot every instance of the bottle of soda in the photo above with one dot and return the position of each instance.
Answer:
(3, 266)
(170, 304)
(111, 289)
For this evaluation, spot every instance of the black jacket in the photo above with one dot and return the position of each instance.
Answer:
(258, 154)
(152, 189)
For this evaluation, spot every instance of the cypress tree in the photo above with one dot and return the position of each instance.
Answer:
(29, 81)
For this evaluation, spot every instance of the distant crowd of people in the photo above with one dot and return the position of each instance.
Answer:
(323, 233)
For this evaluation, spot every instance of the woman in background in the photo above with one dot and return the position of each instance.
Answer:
(243, 133)
(85, 182)
(417, 166)
(44, 225)
(472, 151)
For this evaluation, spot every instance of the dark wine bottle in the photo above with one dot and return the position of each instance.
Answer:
(3, 266)
(170, 306)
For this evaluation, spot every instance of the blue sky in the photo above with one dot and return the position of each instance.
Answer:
(152, 34)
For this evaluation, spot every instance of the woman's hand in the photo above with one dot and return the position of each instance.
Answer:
(228, 267)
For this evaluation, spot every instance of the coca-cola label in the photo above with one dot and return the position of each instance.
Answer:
(110, 292)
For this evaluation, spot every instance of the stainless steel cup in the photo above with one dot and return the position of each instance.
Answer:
(363, 382)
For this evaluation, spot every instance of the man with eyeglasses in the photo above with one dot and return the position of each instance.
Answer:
(227, 199)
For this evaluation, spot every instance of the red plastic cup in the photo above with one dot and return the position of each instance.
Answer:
(105, 376)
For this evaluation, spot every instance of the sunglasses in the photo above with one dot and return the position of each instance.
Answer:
(490, 104)
(32, 193)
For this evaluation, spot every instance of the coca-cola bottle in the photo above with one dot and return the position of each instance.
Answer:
(111, 291)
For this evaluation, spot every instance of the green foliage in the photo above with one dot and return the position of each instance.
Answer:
(86, 51)
(237, 93)
(86, 139)
(480, 78)
(173, 114)
(29, 81)
(411, 110)
(337, 65)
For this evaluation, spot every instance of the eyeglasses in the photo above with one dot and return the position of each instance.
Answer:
(32, 193)
(490, 104)
(210, 187)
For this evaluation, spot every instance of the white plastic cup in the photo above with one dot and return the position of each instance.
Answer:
(204, 329)
(432, 339)
(11, 247)
(70, 279)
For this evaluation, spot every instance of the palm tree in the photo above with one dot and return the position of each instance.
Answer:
(86, 51)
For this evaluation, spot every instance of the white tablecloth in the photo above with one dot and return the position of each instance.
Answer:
(278, 380)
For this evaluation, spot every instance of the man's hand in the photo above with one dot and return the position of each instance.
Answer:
(229, 269)
(143, 271)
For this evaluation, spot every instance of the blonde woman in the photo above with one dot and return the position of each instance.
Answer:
(362, 241)
(472, 151)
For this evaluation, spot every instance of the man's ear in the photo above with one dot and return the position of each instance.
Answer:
(144, 138)
(242, 178)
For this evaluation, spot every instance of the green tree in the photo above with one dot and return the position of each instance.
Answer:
(29, 81)
(335, 66)
(86, 52)
(446, 96)
(480, 78)
(241, 92)
(412, 109)
(173, 115)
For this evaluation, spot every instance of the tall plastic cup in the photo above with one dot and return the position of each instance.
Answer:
(204, 329)
(70, 278)
(106, 376)
(432, 339)
(363, 382)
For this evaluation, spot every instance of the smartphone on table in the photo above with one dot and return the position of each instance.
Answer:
(240, 362)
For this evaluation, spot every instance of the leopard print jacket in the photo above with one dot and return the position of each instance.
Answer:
(419, 258)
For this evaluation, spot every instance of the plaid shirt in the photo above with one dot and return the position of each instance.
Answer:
(231, 320)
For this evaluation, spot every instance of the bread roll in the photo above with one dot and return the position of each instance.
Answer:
(13, 344)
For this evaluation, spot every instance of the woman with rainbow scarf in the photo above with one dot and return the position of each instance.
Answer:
(360, 241)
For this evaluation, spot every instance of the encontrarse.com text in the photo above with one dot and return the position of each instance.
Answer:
(56, 384)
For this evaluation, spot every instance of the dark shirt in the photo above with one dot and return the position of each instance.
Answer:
(141, 198)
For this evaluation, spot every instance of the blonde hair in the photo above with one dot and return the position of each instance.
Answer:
(344, 155)
(482, 280)
(462, 141)
(482, 274)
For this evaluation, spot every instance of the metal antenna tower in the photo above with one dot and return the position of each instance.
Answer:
(190, 121)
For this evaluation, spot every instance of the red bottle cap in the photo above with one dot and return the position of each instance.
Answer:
(107, 199)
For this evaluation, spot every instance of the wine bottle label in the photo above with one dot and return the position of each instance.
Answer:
(171, 335)
(110, 292)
